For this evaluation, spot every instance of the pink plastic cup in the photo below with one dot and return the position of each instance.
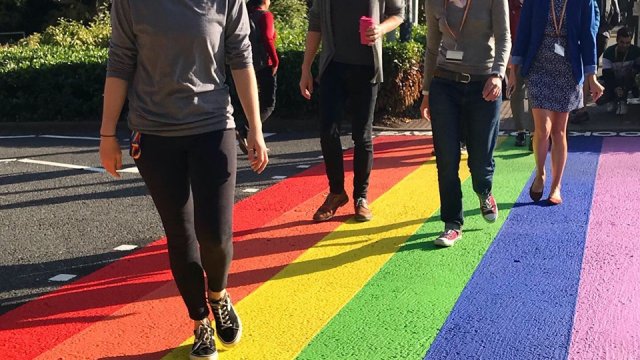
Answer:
(365, 23)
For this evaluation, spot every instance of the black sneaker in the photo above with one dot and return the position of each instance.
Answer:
(228, 325)
(521, 139)
(204, 347)
(489, 208)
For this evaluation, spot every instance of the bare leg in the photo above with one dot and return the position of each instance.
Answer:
(558, 153)
(542, 120)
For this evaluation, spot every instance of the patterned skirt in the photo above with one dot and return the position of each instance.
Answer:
(550, 81)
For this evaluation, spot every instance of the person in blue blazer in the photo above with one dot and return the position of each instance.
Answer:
(555, 51)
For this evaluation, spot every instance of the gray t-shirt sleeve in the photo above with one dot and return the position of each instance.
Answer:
(314, 17)
(237, 44)
(394, 8)
(123, 51)
(501, 31)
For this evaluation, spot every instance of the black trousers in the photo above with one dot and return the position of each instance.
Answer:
(341, 84)
(192, 182)
(267, 86)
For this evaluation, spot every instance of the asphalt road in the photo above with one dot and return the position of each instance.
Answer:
(59, 220)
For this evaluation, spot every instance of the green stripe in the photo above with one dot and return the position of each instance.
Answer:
(399, 312)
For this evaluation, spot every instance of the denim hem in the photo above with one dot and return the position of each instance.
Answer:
(452, 226)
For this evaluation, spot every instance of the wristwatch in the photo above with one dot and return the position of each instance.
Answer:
(498, 75)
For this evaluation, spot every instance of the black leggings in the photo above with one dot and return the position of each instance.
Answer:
(192, 181)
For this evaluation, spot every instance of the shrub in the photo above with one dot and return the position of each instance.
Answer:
(291, 14)
(74, 33)
(51, 83)
(402, 65)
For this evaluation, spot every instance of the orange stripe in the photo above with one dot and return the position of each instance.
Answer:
(153, 324)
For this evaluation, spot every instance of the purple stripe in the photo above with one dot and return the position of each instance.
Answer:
(607, 320)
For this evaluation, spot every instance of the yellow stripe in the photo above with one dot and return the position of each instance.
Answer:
(285, 313)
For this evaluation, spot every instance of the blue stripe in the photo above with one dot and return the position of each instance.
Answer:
(520, 302)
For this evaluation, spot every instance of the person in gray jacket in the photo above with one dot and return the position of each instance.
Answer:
(169, 58)
(468, 46)
(350, 70)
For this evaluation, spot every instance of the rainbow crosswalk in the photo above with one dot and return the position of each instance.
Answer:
(540, 283)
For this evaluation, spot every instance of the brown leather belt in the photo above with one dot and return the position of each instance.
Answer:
(459, 77)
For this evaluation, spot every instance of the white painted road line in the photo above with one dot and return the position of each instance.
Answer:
(303, 166)
(18, 137)
(62, 277)
(251, 190)
(278, 177)
(69, 166)
(7, 160)
(131, 170)
(70, 137)
(125, 247)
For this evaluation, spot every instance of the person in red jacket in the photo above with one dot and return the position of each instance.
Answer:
(265, 62)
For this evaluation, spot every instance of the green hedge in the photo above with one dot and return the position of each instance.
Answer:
(51, 83)
(59, 75)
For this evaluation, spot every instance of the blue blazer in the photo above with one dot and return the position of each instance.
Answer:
(582, 19)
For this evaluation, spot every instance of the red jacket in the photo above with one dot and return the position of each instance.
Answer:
(514, 18)
(268, 29)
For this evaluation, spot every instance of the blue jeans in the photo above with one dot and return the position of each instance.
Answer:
(459, 113)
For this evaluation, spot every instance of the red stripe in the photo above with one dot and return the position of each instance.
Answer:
(138, 289)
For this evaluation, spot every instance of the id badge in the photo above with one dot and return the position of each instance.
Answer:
(454, 55)
(558, 49)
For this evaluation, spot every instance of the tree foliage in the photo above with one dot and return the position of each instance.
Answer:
(33, 16)
(291, 14)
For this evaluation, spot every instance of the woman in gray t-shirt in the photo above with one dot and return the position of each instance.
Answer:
(169, 58)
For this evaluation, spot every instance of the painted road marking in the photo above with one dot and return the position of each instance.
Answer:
(607, 318)
(18, 137)
(520, 302)
(7, 160)
(278, 177)
(57, 164)
(70, 137)
(130, 170)
(272, 228)
(303, 166)
(338, 265)
(62, 277)
(125, 247)
(110, 313)
(401, 309)
(251, 190)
